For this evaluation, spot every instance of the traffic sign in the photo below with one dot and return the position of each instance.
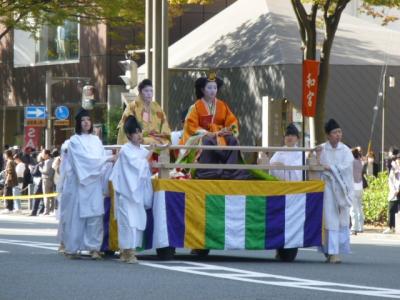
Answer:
(35, 112)
(61, 113)
(61, 123)
(35, 122)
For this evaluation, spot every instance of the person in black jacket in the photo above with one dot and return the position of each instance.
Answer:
(37, 179)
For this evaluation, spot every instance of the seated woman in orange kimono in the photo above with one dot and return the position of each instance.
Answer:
(210, 122)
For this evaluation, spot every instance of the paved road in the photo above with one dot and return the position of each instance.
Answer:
(30, 268)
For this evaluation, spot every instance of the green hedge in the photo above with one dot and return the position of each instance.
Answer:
(113, 116)
(375, 199)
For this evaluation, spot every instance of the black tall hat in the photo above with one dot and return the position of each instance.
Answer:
(291, 129)
(82, 113)
(131, 125)
(331, 125)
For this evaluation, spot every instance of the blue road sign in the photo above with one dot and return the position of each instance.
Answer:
(61, 113)
(35, 112)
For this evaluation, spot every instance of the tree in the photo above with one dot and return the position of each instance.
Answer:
(377, 9)
(30, 15)
(331, 11)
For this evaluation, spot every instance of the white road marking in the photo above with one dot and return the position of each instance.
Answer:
(2, 251)
(244, 275)
(28, 232)
(41, 245)
(272, 279)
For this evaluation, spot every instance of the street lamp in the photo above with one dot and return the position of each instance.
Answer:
(392, 80)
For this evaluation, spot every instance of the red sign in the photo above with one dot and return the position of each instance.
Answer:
(310, 87)
(32, 136)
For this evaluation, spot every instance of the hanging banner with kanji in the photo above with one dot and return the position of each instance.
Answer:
(32, 137)
(310, 87)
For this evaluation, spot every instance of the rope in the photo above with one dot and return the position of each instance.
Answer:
(28, 197)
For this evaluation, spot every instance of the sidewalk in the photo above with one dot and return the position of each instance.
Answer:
(24, 216)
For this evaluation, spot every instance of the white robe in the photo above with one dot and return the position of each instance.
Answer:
(338, 195)
(288, 158)
(82, 195)
(394, 183)
(64, 172)
(131, 179)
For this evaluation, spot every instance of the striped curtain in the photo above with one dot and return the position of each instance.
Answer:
(217, 214)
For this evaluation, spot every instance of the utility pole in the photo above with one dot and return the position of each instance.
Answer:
(148, 38)
(49, 128)
(164, 57)
(391, 85)
(157, 62)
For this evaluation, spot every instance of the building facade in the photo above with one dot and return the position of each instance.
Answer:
(72, 50)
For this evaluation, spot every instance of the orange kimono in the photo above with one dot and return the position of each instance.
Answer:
(201, 118)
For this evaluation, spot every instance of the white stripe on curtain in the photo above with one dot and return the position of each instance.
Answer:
(295, 216)
(235, 221)
(160, 235)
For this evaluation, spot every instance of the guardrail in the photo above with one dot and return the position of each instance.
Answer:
(164, 163)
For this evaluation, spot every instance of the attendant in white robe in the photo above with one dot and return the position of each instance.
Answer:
(337, 160)
(288, 158)
(64, 172)
(131, 179)
(82, 195)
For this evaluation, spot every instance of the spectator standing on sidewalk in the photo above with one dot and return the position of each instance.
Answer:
(37, 181)
(356, 210)
(47, 181)
(392, 154)
(20, 171)
(10, 179)
(394, 188)
(27, 157)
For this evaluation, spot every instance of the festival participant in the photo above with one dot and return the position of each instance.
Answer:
(131, 179)
(154, 123)
(337, 160)
(82, 190)
(210, 122)
(64, 171)
(288, 158)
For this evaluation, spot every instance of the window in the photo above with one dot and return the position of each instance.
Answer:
(53, 44)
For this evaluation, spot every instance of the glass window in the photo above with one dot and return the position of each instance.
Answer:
(52, 44)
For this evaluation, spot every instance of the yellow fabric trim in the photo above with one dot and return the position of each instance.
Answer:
(112, 226)
(195, 217)
(237, 187)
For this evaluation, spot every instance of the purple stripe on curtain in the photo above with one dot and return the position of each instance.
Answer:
(275, 222)
(313, 222)
(106, 224)
(175, 207)
(148, 232)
